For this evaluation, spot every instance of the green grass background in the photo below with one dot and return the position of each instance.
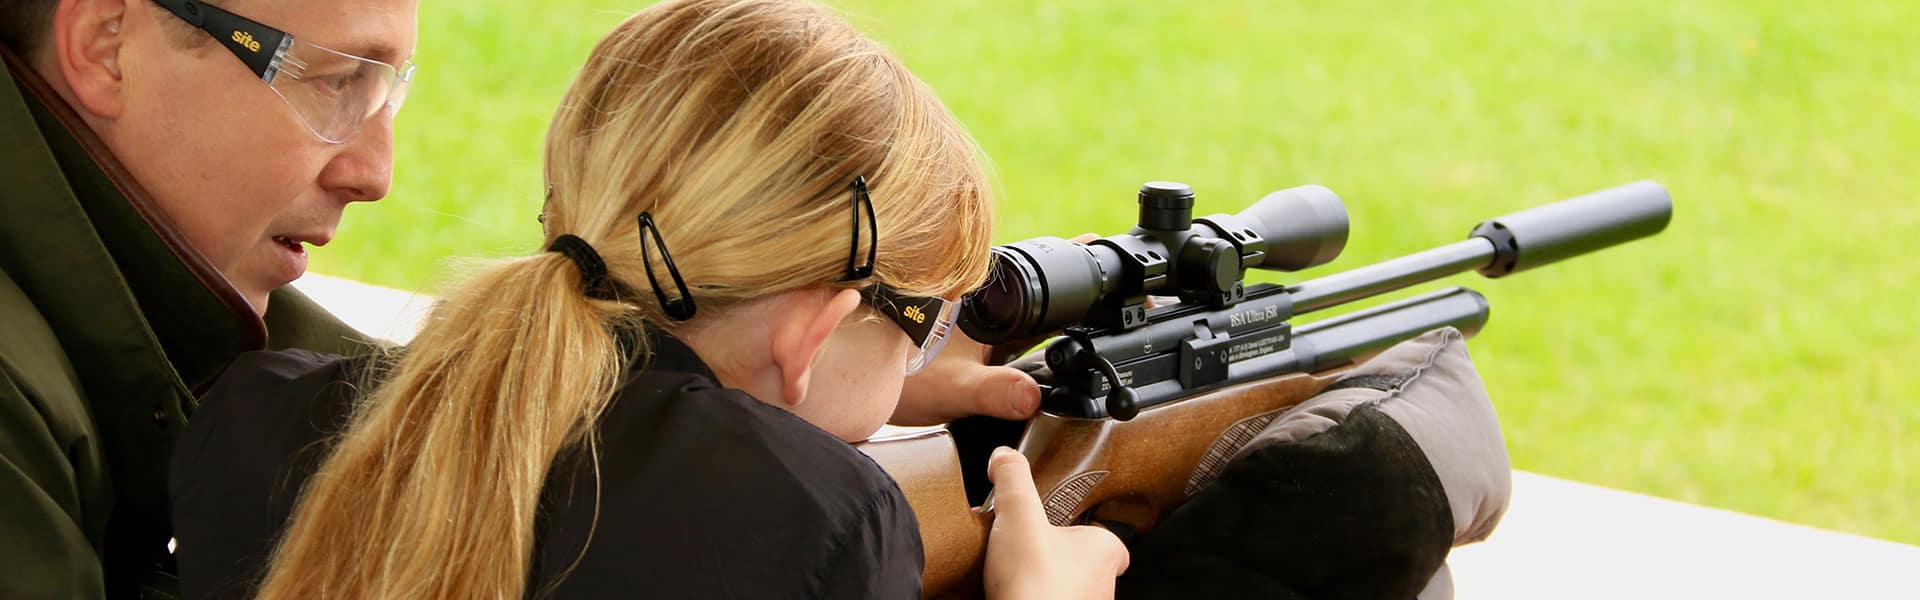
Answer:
(1758, 356)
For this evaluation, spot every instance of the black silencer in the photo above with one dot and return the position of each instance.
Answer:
(1545, 235)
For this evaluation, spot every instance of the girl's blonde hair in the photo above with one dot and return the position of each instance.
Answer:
(739, 124)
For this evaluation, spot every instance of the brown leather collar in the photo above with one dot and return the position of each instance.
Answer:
(236, 304)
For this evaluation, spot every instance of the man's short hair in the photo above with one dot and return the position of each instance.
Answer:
(24, 24)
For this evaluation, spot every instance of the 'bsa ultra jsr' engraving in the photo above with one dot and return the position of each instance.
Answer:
(1252, 317)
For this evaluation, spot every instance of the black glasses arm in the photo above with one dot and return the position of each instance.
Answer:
(256, 44)
(916, 315)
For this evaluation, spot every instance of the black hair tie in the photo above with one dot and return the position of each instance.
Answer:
(593, 271)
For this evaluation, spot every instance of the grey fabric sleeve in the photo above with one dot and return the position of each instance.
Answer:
(1439, 399)
(1445, 407)
(1441, 587)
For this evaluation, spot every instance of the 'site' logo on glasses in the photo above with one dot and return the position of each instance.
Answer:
(246, 39)
(914, 312)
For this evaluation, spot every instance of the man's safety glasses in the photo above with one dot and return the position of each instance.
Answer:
(332, 91)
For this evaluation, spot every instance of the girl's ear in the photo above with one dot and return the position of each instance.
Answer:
(801, 329)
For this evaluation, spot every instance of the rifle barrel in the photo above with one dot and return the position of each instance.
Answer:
(1506, 245)
(1380, 278)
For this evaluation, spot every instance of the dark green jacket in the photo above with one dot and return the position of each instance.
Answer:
(109, 323)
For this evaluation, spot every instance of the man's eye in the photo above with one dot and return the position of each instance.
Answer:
(335, 83)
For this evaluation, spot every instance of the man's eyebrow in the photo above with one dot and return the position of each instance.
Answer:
(380, 51)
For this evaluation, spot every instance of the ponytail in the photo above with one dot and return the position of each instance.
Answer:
(432, 490)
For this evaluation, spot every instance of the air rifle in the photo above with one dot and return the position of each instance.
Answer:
(1142, 405)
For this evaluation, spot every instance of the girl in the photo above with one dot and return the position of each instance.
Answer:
(758, 223)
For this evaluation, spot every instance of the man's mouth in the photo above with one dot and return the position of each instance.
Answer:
(290, 244)
(293, 262)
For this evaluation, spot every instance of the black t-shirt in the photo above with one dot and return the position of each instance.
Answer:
(704, 491)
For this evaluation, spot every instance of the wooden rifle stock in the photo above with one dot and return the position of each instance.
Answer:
(926, 464)
(1132, 471)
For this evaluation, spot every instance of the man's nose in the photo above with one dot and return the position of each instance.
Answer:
(363, 170)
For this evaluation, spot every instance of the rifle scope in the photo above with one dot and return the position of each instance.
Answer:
(1044, 284)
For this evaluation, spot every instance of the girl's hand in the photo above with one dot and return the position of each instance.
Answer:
(961, 383)
(1027, 557)
(964, 381)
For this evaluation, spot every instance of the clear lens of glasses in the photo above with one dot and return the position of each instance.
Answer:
(332, 91)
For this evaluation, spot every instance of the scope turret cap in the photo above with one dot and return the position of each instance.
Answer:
(1166, 206)
(1166, 194)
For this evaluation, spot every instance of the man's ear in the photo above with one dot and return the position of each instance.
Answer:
(799, 336)
(86, 43)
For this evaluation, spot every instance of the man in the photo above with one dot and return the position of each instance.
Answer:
(164, 164)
